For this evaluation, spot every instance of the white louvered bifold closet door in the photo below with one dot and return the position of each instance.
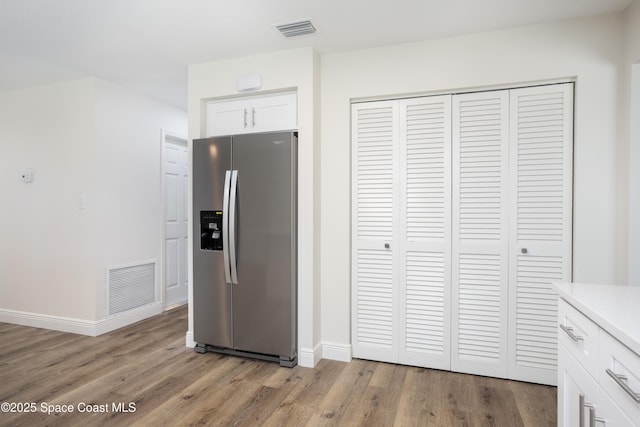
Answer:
(541, 211)
(461, 219)
(375, 220)
(425, 244)
(480, 233)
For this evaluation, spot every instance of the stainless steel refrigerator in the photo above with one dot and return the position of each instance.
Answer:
(244, 245)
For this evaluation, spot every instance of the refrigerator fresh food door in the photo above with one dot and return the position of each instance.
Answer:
(211, 293)
(264, 298)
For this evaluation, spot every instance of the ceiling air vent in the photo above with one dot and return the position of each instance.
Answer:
(297, 28)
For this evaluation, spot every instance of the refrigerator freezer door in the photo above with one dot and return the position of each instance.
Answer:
(264, 298)
(211, 294)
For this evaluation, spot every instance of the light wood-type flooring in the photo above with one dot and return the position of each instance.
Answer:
(146, 369)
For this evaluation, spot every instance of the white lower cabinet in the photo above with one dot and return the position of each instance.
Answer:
(587, 394)
(584, 403)
(576, 388)
(619, 372)
(608, 413)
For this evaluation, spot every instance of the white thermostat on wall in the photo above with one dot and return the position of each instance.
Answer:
(27, 176)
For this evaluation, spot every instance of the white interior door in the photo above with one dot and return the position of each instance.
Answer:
(461, 219)
(424, 246)
(541, 217)
(480, 233)
(175, 171)
(374, 231)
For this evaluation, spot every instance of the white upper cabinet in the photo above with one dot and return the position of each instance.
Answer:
(274, 112)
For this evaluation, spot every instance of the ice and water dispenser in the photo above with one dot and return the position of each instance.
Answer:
(211, 230)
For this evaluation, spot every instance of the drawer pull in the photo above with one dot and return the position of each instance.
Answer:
(593, 419)
(569, 332)
(621, 380)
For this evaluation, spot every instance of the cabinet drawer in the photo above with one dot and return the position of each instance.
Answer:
(579, 335)
(618, 360)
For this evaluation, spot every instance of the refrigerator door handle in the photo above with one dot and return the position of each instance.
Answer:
(225, 226)
(232, 227)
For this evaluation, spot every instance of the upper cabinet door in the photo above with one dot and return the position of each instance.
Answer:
(228, 117)
(267, 113)
(273, 113)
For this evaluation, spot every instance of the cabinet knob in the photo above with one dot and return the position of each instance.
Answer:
(387, 246)
(524, 250)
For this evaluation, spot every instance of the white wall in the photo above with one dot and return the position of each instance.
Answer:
(633, 64)
(297, 69)
(588, 50)
(127, 166)
(45, 266)
(634, 178)
(84, 138)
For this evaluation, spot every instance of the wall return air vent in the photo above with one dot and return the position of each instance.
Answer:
(297, 28)
(130, 286)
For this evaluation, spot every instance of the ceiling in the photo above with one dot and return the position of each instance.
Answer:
(146, 45)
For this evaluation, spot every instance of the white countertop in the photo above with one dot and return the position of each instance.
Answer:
(616, 309)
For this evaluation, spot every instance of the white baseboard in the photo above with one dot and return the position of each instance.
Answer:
(121, 320)
(189, 340)
(79, 326)
(309, 358)
(45, 321)
(334, 351)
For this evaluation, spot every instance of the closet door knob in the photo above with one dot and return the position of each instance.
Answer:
(387, 246)
(524, 250)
